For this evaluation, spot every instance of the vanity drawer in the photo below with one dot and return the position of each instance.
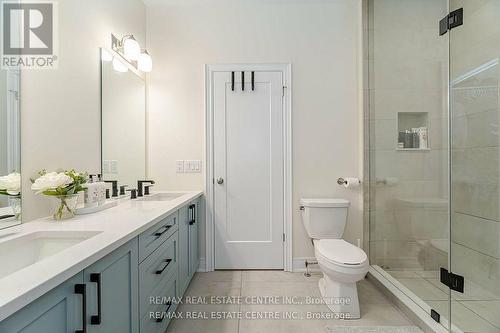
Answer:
(156, 235)
(156, 270)
(154, 318)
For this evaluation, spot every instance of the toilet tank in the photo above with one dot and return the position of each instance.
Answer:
(324, 218)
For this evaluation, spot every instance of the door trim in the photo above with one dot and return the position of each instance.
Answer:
(287, 156)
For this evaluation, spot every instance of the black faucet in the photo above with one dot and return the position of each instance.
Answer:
(122, 189)
(146, 189)
(140, 187)
(114, 187)
(133, 193)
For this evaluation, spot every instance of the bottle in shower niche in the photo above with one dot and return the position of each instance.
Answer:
(415, 138)
(423, 135)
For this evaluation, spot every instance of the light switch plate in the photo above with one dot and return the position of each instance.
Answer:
(113, 166)
(192, 166)
(105, 166)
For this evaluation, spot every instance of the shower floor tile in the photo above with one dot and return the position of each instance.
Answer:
(472, 291)
(489, 310)
(462, 317)
(476, 310)
(424, 289)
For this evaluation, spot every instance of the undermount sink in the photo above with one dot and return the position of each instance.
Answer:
(162, 197)
(26, 250)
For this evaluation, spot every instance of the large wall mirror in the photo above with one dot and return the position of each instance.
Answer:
(123, 120)
(10, 149)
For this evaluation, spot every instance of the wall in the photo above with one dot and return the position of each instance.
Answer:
(4, 170)
(61, 108)
(319, 38)
(3, 125)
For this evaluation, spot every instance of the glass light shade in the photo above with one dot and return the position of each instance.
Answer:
(145, 62)
(106, 56)
(131, 48)
(119, 66)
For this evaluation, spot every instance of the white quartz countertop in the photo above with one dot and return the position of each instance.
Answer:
(116, 225)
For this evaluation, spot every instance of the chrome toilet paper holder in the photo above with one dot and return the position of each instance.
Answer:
(341, 181)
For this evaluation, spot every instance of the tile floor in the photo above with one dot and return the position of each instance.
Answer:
(376, 309)
(476, 310)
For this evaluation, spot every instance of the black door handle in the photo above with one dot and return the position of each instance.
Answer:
(159, 320)
(160, 271)
(81, 289)
(96, 319)
(167, 228)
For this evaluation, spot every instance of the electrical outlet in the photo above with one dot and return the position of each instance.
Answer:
(179, 166)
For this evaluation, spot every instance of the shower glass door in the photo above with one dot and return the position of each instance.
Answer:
(409, 171)
(475, 167)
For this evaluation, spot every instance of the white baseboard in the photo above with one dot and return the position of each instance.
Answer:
(203, 266)
(299, 265)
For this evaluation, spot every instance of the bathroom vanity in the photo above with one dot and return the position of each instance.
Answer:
(114, 271)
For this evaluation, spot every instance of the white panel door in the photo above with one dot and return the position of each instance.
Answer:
(248, 170)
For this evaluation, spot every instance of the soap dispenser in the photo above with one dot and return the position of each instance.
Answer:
(101, 190)
(91, 195)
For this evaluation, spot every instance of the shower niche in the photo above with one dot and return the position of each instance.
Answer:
(413, 131)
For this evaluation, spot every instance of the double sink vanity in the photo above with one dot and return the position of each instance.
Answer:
(118, 270)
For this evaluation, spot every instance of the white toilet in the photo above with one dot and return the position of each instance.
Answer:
(342, 263)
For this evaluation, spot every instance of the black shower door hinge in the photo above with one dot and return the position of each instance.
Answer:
(453, 281)
(435, 315)
(450, 21)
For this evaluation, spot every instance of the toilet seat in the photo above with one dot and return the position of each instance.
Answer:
(341, 253)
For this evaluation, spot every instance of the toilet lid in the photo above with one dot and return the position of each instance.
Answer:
(342, 252)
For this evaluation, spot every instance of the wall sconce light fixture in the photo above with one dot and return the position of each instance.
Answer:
(130, 50)
(145, 62)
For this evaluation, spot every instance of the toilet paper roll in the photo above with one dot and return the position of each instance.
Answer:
(351, 182)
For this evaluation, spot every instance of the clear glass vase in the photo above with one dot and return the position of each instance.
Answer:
(64, 206)
(15, 205)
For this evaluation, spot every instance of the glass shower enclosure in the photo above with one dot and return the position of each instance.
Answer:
(432, 117)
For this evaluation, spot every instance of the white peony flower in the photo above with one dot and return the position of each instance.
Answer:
(11, 183)
(51, 181)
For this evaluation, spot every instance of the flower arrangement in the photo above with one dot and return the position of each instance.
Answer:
(63, 188)
(11, 184)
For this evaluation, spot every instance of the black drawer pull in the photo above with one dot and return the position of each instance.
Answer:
(160, 271)
(159, 320)
(160, 233)
(81, 289)
(192, 212)
(96, 319)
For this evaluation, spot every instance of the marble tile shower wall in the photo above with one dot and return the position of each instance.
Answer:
(407, 73)
(475, 249)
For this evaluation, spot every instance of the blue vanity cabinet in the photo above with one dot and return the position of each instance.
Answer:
(58, 311)
(183, 257)
(194, 210)
(189, 219)
(158, 276)
(112, 291)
